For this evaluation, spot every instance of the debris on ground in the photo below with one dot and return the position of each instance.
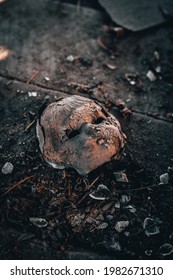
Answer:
(164, 178)
(150, 227)
(7, 168)
(150, 75)
(123, 108)
(38, 222)
(121, 225)
(166, 249)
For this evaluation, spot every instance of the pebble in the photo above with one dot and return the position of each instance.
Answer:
(121, 225)
(38, 222)
(32, 93)
(7, 168)
(107, 206)
(125, 198)
(115, 246)
(117, 204)
(121, 177)
(109, 217)
(150, 75)
(131, 208)
(164, 178)
(102, 187)
(103, 226)
(70, 58)
(47, 79)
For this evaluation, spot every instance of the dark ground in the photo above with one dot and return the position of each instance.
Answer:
(40, 37)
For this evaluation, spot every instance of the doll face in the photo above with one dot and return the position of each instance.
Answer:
(78, 132)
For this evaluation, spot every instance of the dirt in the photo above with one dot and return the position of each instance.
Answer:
(77, 225)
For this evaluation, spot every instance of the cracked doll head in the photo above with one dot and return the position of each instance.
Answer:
(77, 132)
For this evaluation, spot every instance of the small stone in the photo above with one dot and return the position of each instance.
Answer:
(158, 69)
(109, 217)
(127, 233)
(121, 225)
(47, 79)
(103, 226)
(70, 58)
(102, 187)
(121, 177)
(115, 246)
(125, 198)
(132, 83)
(164, 179)
(131, 208)
(107, 206)
(117, 204)
(76, 220)
(38, 222)
(7, 168)
(100, 217)
(157, 55)
(32, 93)
(150, 75)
